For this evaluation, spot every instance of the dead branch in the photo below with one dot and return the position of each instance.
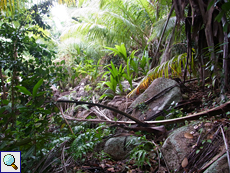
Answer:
(212, 112)
(107, 107)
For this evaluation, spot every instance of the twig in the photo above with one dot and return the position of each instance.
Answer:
(65, 119)
(63, 159)
(49, 158)
(162, 155)
(214, 159)
(44, 158)
(50, 163)
(226, 146)
(100, 113)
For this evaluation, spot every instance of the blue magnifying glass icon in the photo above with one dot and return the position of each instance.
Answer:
(9, 160)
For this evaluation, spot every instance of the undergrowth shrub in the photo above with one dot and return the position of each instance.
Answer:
(87, 140)
(141, 153)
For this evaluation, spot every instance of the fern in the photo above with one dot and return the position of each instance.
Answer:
(141, 152)
(86, 141)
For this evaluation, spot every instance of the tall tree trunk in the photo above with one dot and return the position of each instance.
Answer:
(188, 26)
(166, 55)
(207, 20)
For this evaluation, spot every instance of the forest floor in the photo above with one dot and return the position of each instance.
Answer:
(210, 99)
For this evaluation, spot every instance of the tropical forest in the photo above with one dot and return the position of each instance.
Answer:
(126, 86)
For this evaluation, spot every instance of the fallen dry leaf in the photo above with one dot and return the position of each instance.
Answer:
(188, 135)
(210, 136)
(111, 169)
(102, 166)
(184, 162)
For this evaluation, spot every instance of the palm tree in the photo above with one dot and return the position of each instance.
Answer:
(107, 23)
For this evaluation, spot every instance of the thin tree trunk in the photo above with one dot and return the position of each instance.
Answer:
(225, 59)
(189, 46)
(166, 55)
(202, 71)
(201, 37)
(169, 15)
(4, 96)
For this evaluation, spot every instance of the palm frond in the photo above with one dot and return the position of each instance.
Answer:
(8, 7)
(159, 26)
(75, 47)
(114, 22)
(175, 64)
(149, 8)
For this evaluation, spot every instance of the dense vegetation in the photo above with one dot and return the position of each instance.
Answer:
(106, 42)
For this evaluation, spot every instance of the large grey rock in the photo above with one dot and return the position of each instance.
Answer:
(117, 147)
(159, 104)
(176, 146)
(183, 141)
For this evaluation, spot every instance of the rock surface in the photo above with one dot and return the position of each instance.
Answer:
(182, 144)
(160, 103)
(176, 146)
(219, 166)
(117, 147)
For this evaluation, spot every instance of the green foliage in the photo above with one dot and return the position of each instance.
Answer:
(115, 77)
(134, 63)
(70, 73)
(27, 110)
(213, 66)
(174, 113)
(65, 76)
(132, 67)
(144, 63)
(128, 76)
(119, 50)
(102, 23)
(112, 84)
(86, 141)
(141, 152)
(224, 12)
(142, 107)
